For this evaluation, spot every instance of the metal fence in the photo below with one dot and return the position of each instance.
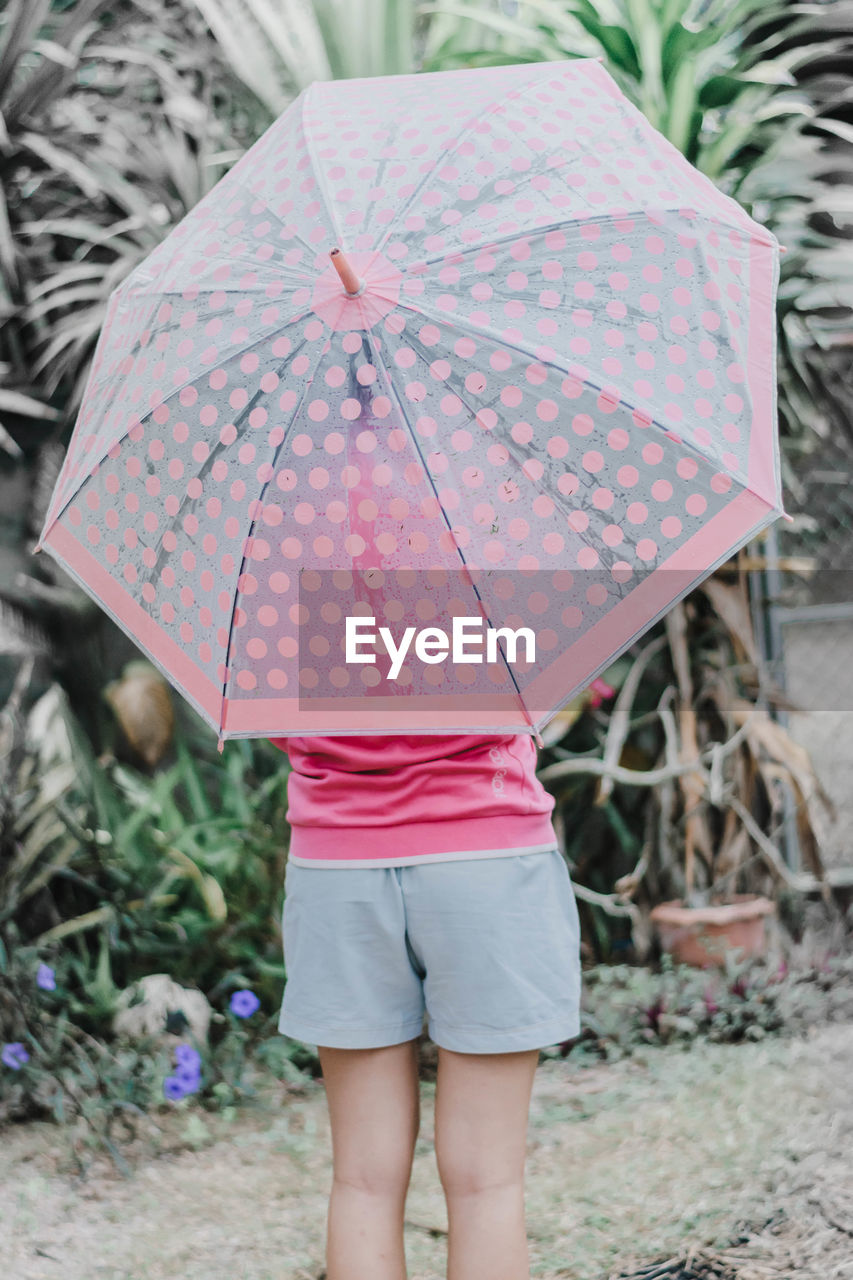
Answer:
(802, 602)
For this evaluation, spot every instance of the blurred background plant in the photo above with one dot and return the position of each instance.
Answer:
(118, 117)
(628, 1008)
(107, 1087)
(128, 846)
(179, 866)
(111, 872)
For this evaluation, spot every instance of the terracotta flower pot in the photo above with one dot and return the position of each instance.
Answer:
(700, 935)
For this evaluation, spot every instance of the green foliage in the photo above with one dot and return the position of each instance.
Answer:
(105, 1090)
(180, 871)
(108, 874)
(118, 119)
(278, 50)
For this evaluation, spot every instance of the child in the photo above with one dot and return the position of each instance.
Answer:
(424, 874)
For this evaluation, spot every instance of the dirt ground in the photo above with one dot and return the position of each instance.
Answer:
(738, 1154)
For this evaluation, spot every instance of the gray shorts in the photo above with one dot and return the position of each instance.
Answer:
(488, 947)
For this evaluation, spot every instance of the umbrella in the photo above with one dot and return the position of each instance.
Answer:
(430, 408)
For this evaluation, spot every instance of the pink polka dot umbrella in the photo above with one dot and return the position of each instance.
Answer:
(459, 349)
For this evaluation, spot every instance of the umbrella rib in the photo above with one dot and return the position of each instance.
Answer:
(259, 502)
(378, 358)
(472, 411)
(214, 288)
(518, 457)
(483, 331)
(603, 218)
(489, 242)
(126, 286)
(695, 582)
(137, 419)
(311, 249)
(168, 328)
(273, 273)
(466, 128)
(203, 471)
(316, 170)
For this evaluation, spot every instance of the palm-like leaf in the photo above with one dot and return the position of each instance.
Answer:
(278, 47)
(106, 147)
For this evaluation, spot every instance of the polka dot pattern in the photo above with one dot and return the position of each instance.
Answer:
(548, 374)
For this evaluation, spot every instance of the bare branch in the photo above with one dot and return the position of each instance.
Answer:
(619, 726)
(773, 858)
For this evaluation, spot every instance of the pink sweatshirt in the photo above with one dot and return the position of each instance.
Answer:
(393, 800)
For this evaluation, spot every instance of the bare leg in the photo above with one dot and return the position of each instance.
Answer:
(374, 1108)
(482, 1103)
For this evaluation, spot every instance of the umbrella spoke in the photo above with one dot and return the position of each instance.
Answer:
(567, 366)
(308, 273)
(135, 420)
(175, 327)
(247, 539)
(404, 417)
(511, 95)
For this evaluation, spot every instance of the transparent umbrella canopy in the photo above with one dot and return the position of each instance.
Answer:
(435, 404)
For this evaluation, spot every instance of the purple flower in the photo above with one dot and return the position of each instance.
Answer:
(189, 1078)
(187, 1056)
(244, 1003)
(173, 1088)
(46, 978)
(14, 1055)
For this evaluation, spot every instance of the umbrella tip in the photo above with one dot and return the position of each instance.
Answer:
(352, 283)
(220, 744)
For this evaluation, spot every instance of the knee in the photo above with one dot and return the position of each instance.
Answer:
(384, 1180)
(465, 1178)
